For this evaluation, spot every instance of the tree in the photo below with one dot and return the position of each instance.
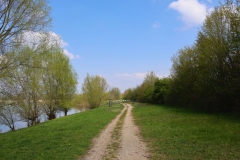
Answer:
(127, 95)
(150, 78)
(67, 80)
(8, 116)
(59, 82)
(19, 16)
(79, 102)
(94, 89)
(161, 90)
(206, 75)
(218, 44)
(115, 93)
(148, 85)
(23, 88)
(184, 74)
(27, 81)
(143, 92)
(16, 18)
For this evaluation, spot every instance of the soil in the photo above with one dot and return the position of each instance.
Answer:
(130, 147)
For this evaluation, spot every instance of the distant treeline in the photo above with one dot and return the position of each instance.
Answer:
(205, 75)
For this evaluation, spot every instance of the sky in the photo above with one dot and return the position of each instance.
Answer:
(122, 40)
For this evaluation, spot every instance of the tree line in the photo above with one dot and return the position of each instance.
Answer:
(205, 75)
(36, 76)
(152, 90)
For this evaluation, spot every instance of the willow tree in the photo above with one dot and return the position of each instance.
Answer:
(9, 116)
(22, 88)
(94, 90)
(19, 16)
(29, 90)
(16, 18)
(66, 80)
(59, 82)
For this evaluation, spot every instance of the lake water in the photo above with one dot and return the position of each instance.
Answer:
(21, 124)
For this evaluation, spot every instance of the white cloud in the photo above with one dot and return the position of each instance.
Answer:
(70, 55)
(131, 76)
(156, 25)
(192, 12)
(58, 39)
(33, 39)
(210, 10)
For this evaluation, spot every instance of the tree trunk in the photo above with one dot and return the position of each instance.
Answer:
(51, 115)
(65, 111)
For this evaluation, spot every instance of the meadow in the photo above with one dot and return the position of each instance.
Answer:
(177, 133)
(64, 138)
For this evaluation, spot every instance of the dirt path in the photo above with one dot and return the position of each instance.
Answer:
(129, 145)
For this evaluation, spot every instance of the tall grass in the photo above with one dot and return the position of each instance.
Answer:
(64, 138)
(175, 133)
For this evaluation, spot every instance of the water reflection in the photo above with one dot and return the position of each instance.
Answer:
(43, 118)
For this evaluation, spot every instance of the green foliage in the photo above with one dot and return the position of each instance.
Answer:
(79, 102)
(177, 133)
(152, 90)
(206, 75)
(161, 90)
(45, 82)
(94, 90)
(64, 138)
(115, 93)
(59, 82)
(127, 95)
(18, 17)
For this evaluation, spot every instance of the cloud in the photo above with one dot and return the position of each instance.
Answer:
(58, 39)
(210, 10)
(33, 39)
(193, 13)
(131, 76)
(156, 25)
(70, 55)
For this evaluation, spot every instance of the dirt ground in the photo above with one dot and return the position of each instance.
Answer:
(129, 147)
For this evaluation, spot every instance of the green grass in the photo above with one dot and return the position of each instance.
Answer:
(176, 133)
(64, 138)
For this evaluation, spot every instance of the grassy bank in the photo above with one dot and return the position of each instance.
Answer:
(64, 138)
(174, 133)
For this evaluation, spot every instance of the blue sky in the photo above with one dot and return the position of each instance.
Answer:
(122, 40)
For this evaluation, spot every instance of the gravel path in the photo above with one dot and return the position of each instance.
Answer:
(131, 146)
